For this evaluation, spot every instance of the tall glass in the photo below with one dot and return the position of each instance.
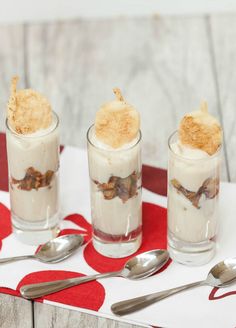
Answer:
(115, 185)
(33, 163)
(193, 200)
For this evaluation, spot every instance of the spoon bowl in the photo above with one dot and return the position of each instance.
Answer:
(222, 274)
(145, 264)
(53, 251)
(59, 248)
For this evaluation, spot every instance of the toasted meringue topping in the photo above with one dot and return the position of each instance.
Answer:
(117, 122)
(201, 130)
(28, 111)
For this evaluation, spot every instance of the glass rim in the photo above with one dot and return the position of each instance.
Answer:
(32, 136)
(216, 154)
(113, 150)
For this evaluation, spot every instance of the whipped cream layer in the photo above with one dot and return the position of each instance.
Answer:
(105, 161)
(191, 167)
(188, 152)
(38, 150)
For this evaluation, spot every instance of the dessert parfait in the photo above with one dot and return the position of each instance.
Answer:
(115, 174)
(193, 187)
(33, 163)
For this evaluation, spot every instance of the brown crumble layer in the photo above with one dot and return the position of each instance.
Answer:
(209, 188)
(124, 188)
(33, 179)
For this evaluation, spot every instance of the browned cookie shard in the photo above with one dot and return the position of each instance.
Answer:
(28, 111)
(117, 122)
(201, 130)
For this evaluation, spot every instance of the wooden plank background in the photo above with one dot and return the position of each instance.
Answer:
(165, 67)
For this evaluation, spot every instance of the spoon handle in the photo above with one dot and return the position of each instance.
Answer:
(45, 288)
(16, 258)
(138, 303)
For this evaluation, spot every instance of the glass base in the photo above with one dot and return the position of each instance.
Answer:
(119, 249)
(35, 233)
(188, 253)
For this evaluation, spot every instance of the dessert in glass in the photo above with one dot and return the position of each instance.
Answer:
(193, 187)
(33, 164)
(114, 154)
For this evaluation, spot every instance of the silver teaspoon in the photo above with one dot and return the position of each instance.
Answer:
(138, 267)
(221, 275)
(53, 251)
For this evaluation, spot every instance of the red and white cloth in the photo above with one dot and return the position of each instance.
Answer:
(203, 306)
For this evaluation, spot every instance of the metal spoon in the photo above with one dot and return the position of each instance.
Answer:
(221, 275)
(138, 267)
(53, 251)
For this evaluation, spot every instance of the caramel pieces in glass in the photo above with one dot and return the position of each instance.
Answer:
(28, 111)
(33, 179)
(201, 130)
(124, 188)
(209, 188)
(117, 122)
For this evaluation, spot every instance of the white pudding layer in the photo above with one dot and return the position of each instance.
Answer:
(114, 216)
(41, 152)
(191, 168)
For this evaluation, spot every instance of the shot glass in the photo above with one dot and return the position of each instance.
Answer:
(116, 205)
(193, 201)
(33, 165)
